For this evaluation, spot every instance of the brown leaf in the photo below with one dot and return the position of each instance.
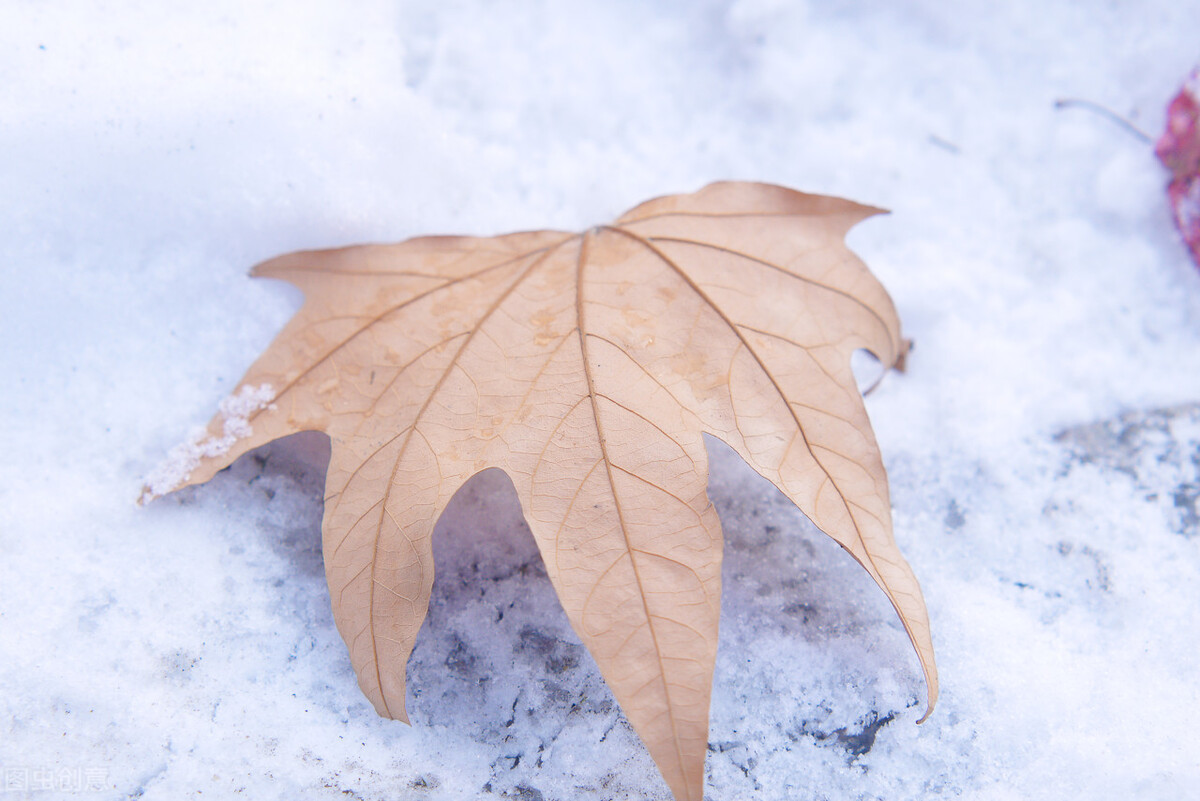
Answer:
(586, 366)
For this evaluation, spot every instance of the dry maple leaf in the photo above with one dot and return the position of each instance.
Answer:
(586, 366)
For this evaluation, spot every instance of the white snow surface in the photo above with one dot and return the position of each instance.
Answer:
(1043, 447)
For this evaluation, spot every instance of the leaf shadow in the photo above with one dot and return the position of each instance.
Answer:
(780, 571)
(497, 657)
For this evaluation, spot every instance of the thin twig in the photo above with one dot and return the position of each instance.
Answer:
(1068, 102)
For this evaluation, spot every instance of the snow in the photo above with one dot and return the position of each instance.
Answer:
(234, 413)
(1043, 447)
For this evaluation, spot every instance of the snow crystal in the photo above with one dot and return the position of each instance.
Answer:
(234, 412)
